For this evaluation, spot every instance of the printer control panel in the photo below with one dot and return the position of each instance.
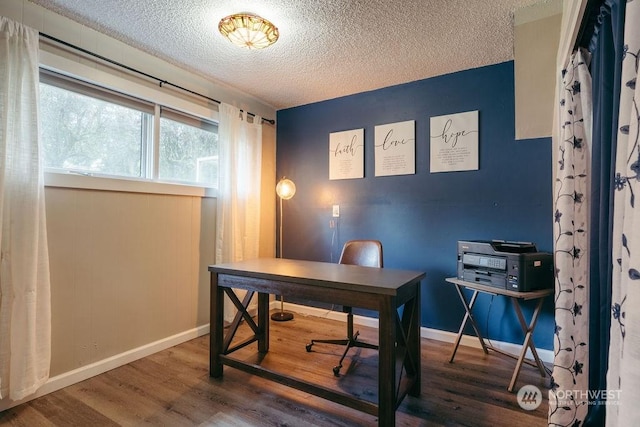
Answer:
(485, 261)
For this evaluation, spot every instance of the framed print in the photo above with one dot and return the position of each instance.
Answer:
(454, 142)
(346, 154)
(395, 149)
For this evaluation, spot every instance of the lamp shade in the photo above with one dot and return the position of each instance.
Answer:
(248, 30)
(285, 189)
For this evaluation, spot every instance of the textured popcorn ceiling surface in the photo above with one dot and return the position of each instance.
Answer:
(327, 48)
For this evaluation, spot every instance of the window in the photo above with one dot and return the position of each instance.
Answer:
(91, 130)
(188, 149)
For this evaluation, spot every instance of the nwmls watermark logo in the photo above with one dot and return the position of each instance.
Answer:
(529, 397)
(586, 397)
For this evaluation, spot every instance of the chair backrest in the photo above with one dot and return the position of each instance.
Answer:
(367, 253)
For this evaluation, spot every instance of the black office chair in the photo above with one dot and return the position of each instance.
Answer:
(367, 253)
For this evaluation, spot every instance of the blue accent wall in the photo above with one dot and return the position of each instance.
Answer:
(420, 218)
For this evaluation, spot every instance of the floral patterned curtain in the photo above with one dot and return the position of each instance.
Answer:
(572, 142)
(623, 376)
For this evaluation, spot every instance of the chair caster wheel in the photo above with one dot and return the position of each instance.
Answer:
(309, 347)
(336, 371)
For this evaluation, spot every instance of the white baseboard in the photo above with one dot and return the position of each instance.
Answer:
(72, 377)
(435, 334)
(86, 372)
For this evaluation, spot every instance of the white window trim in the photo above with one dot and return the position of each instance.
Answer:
(124, 185)
(54, 178)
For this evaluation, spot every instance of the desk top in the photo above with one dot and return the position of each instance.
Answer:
(499, 291)
(384, 281)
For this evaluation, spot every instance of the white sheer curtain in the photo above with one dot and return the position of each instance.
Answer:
(25, 303)
(572, 146)
(624, 349)
(238, 204)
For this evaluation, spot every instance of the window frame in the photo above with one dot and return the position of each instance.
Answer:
(131, 89)
(184, 119)
(96, 92)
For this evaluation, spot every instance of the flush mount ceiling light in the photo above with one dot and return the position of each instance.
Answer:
(248, 30)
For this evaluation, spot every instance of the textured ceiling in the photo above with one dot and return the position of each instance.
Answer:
(327, 48)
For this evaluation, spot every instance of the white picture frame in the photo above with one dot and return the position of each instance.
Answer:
(454, 142)
(346, 154)
(395, 148)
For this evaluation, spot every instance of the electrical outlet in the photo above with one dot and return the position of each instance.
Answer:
(336, 211)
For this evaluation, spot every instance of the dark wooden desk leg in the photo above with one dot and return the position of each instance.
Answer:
(216, 327)
(411, 325)
(386, 366)
(467, 317)
(263, 322)
(528, 341)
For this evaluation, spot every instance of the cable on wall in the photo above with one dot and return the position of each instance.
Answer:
(160, 81)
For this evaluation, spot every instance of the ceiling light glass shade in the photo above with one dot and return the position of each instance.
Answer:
(248, 30)
(285, 189)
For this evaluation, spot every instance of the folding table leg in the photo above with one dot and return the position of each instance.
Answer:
(528, 341)
(467, 317)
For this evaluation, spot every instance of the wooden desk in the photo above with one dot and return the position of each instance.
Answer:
(383, 290)
(527, 329)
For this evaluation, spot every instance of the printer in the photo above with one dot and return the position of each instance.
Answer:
(515, 266)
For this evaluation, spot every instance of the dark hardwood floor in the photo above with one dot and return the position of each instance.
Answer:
(173, 388)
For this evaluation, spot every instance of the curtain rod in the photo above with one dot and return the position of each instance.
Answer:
(126, 67)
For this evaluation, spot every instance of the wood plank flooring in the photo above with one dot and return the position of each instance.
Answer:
(173, 388)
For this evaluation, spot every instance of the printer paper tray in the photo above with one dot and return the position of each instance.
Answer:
(489, 278)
